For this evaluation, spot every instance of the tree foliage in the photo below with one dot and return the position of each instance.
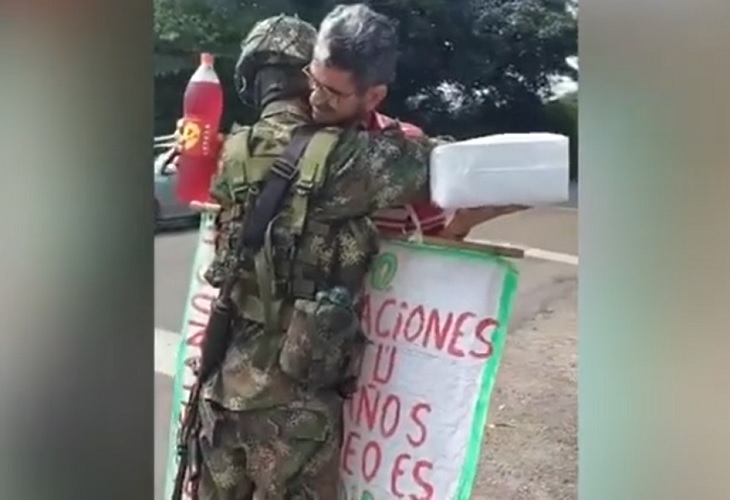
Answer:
(466, 66)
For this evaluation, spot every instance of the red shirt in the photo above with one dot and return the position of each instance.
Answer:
(431, 218)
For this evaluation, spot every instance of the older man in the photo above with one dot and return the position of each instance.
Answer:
(349, 81)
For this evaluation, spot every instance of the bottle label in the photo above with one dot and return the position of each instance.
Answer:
(197, 138)
(191, 135)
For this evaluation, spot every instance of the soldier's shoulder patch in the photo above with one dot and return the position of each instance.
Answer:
(269, 137)
(235, 143)
(237, 133)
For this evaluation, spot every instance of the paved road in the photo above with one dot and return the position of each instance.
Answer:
(554, 230)
(174, 252)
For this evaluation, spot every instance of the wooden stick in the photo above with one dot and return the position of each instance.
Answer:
(504, 250)
(201, 206)
(536, 253)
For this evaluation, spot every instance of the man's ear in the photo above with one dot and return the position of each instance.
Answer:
(374, 96)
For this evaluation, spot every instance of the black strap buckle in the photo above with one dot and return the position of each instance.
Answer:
(284, 169)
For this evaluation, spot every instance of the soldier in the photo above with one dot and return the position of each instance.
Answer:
(271, 415)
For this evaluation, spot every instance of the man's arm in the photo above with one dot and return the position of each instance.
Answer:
(466, 219)
(369, 171)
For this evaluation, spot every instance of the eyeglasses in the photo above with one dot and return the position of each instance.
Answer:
(331, 94)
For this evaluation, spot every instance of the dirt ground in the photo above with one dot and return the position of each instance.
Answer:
(530, 448)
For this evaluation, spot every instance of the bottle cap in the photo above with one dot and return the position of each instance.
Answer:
(206, 59)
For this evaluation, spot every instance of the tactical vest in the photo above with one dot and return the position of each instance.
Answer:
(281, 271)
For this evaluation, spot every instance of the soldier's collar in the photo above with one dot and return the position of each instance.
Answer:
(279, 107)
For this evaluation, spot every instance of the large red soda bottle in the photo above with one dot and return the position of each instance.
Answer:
(202, 111)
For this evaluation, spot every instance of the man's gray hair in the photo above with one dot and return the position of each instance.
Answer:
(357, 39)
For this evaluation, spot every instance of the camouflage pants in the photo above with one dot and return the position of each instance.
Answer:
(278, 453)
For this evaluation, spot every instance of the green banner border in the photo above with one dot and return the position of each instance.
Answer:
(489, 374)
(177, 382)
(488, 377)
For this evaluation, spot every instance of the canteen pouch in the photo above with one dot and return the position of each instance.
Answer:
(324, 343)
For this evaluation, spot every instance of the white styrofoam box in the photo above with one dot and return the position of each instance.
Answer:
(524, 169)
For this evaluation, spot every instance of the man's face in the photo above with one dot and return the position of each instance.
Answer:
(336, 99)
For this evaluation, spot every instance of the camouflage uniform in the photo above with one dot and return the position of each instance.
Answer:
(272, 416)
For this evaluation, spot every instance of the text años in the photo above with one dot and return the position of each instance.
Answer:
(381, 415)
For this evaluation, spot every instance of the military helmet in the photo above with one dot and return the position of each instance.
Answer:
(278, 40)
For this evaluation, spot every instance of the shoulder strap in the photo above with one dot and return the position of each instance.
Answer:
(304, 156)
(276, 186)
(266, 206)
(312, 172)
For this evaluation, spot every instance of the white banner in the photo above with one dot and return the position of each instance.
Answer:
(197, 313)
(437, 319)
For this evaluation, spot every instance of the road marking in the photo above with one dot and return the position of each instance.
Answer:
(166, 346)
(564, 208)
(563, 258)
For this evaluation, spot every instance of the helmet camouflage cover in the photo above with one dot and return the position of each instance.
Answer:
(280, 40)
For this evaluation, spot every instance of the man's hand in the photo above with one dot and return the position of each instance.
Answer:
(466, 219)
(201, 206)
(178, 134)
(170, 163)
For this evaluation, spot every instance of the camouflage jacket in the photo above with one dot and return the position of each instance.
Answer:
(366, 171)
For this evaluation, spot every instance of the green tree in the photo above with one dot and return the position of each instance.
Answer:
(466, 66)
